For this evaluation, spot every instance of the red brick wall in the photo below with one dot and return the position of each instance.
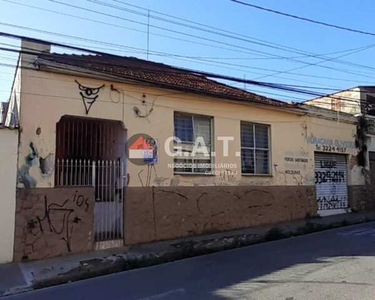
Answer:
(172, 212)
(53, 221)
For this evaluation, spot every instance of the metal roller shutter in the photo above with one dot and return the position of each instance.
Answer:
(331, 180)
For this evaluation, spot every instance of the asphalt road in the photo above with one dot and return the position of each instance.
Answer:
(335, 264)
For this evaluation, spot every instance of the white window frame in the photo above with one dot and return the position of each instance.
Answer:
(210, 146)
(256, 148)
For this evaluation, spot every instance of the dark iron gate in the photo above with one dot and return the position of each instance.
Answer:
(90, 152)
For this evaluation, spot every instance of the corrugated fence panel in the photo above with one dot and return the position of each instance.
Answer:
(331, 180)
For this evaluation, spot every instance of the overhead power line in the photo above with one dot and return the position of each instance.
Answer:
(284, 88)
(184, 40)
(180, 70)
(280, 96)
(225, 33)
(236, 47)
(205, 59)
(346, 99)
(304, 19)
(350, 102)
(125, 27)
(313, 64)
(200, 37)
(232, 34)
(296, 80)
(265, 44)
(172, 70)
(173, 56)
(210, 62)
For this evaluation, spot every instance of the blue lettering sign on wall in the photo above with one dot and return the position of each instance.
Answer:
(330, 142)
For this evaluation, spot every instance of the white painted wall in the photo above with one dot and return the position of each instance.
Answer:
(8, 178)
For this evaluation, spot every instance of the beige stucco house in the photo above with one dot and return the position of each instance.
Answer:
(108, 144)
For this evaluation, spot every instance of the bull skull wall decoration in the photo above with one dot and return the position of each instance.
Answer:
(89, 95)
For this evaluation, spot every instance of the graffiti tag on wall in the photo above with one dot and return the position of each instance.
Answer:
(53, 222)
(60, 219)
(89, 95)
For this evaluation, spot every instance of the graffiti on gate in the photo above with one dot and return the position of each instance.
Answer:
(60, 218)
(329, 176)
(332, 202)
(328, 179)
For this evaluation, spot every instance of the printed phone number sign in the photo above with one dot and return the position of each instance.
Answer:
(330, 145)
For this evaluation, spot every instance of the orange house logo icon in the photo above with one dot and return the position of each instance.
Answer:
(141, 149)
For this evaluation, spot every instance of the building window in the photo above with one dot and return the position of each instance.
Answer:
(255, 149)
(370, 105)
(194, 150)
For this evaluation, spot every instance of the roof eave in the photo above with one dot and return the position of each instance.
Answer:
(48, 66)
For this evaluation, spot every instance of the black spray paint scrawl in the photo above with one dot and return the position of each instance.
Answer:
(89, 95)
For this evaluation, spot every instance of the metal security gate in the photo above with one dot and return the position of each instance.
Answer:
(91, 152)
(108, 179)
(331, 180)
(109, 200)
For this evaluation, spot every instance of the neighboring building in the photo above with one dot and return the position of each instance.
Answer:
(356, 101)
(80, 114)
(360, 102)
(8, 179)
(348, 101)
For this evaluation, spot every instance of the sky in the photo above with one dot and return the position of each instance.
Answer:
(250, 43)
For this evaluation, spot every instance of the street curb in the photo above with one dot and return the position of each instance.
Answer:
(122, 262)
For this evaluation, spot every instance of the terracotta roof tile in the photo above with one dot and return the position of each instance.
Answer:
(159, 74)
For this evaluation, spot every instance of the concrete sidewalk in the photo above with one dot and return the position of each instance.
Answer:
(20, 277)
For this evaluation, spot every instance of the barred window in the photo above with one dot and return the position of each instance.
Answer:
(255, 149)
(188, 128)
(369, 105)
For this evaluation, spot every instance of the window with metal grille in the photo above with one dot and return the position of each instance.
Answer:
(188, 128)
(255, 149)
(370, 105)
